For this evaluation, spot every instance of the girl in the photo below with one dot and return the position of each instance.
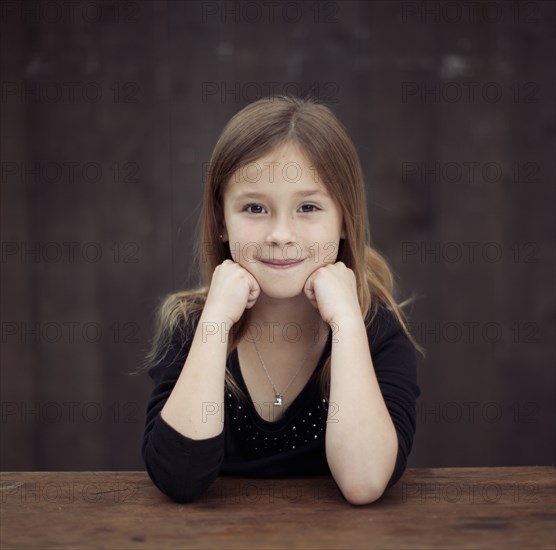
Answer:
(292, 357)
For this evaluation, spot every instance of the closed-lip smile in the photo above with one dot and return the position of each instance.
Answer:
(281, 263)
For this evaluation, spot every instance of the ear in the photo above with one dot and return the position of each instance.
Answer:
(224, 233)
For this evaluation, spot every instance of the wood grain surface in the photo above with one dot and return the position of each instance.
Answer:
(428, 508)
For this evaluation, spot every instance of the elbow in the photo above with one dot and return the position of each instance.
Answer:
(179, 485)
(365, 484)
(180, 491)
(360, 488)
(359, 494)
(181, 469)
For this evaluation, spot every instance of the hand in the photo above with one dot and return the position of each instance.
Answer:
(332, 289)
(232, 290)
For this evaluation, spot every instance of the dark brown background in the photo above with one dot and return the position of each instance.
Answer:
(451, 107)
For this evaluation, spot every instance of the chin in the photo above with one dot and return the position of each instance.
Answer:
(278, 293)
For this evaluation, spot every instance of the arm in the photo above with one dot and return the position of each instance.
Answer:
(183, 447)
(367, 448)
(200, 386)
(368, 444)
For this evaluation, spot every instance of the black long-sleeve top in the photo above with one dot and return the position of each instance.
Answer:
(249, 446)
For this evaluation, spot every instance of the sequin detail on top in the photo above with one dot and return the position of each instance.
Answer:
(258, 438)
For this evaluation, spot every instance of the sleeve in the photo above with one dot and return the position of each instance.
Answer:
(182, 468)
(395, 364)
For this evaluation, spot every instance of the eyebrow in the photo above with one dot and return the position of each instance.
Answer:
(255, 195)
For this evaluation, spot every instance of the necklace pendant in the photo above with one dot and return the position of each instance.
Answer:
(278, 401)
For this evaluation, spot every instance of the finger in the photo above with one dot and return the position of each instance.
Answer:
(254, 293)
(309, 291)
(308, 286)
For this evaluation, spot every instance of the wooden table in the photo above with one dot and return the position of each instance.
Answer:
(495, 508)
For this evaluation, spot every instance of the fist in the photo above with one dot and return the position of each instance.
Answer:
(332, 289)
(232, 290)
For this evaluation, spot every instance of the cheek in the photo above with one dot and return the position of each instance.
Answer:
(240, 235)
(331, 253)
(326, 251)
(244, 249)
(322, 256)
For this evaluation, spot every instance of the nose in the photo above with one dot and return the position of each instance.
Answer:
(282, 230)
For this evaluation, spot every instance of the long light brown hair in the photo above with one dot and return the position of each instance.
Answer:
(253, 132)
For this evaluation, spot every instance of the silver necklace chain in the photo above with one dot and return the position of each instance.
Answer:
(279, 396)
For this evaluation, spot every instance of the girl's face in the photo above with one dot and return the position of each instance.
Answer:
(276, 209)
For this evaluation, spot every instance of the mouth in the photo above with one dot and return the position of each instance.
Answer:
(281, 264)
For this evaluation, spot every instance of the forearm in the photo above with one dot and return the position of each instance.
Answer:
(194, 407)
(361, 441)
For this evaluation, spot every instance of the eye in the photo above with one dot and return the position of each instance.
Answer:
(247, 207)
(314, 207)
